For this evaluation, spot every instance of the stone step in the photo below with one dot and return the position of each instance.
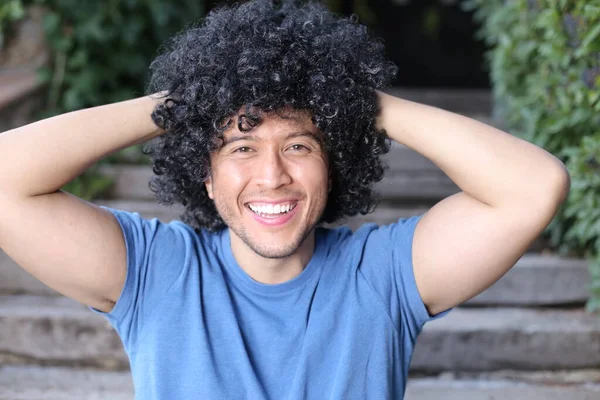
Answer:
(58, 331)
(540, 377)
(433, 389)
(36, 383)
(539, 280)
(39, 383)
(410, 177)
(509, 338)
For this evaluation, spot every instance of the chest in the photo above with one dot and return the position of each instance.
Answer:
(324, 341)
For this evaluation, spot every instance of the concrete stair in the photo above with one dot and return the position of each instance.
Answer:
(35, 383)
(433, 389)
(50, 383)
(530, 322)
(58, 331)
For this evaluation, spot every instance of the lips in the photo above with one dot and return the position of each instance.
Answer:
(265, 213)
(271, 209)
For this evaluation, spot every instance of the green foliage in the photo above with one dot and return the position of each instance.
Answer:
(101, 53)
(103, 48)
(545, 70)
(89, 185)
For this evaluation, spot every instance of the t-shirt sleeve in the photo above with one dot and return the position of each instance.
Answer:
(388, 267)
(156, 257)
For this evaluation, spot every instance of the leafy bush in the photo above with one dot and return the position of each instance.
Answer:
(545, 70)
(101, 53)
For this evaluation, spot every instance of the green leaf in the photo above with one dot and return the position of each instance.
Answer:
(591, 36)
(593, 306)
(79, 58)
(51, 22)
(44, 74)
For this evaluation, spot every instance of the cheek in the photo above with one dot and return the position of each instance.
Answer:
(314, 176)
(228, 178)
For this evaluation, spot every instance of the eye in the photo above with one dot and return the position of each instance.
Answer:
(299, 147)
(243, 149)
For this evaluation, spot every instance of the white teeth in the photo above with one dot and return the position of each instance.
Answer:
(271, 209)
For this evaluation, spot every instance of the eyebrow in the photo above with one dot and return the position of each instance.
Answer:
(292, 135)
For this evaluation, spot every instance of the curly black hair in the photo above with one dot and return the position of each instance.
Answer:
(269, 55)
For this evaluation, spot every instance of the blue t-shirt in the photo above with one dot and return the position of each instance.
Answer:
(195, 326)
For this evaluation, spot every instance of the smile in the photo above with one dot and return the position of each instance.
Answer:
(272, 210)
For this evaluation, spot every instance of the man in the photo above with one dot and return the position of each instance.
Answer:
(271, 120)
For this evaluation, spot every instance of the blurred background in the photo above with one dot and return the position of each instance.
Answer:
(531, 67)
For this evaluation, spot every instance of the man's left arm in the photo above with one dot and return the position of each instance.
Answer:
(511, 190)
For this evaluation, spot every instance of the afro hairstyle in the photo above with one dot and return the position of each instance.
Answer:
(268, 56)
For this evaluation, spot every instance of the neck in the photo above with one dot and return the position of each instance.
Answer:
(272, 270)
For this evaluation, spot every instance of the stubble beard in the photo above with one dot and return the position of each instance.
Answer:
(271, 252)
(235, 224)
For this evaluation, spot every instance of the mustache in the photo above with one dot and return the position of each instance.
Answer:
(274, 195)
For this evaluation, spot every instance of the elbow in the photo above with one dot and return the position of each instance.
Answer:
(561, 183)
(543, 200)
(553, 191)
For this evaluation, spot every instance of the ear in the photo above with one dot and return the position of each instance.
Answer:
(209, 187)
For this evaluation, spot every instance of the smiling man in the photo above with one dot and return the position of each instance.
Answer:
(270, 187)
(270, 121)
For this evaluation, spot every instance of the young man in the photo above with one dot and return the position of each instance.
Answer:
(271, 120)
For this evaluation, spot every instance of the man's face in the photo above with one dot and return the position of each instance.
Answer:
(270, 185)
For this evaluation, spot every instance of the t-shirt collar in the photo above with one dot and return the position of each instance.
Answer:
(237, 274)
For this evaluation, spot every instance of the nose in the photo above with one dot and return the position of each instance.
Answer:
(272, 171)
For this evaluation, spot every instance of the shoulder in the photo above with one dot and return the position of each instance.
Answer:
(154, 241)
(370, 235)
(395, 236)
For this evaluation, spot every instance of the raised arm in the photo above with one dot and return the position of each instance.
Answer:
(511, 190)
(71, 245)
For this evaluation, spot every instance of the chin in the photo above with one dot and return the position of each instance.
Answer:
(274, 251)
(275, 254)
(282, 244)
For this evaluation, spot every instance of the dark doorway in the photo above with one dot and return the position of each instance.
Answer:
(431, 41)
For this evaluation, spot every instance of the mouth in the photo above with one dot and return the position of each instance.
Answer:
(272, 210)
(273, 214)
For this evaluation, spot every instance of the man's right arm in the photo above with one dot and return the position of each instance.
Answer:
(71, 245)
